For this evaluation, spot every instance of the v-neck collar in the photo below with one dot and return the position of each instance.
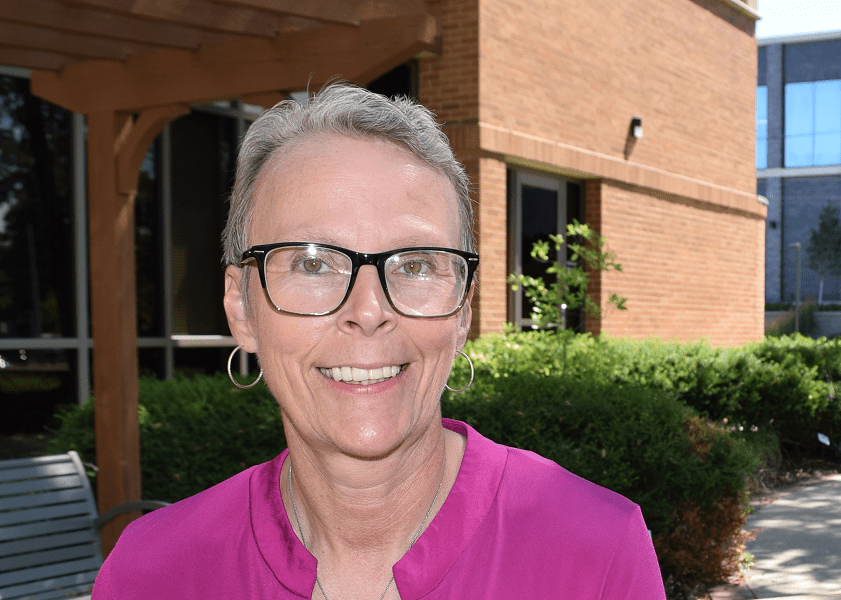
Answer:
(426, 563)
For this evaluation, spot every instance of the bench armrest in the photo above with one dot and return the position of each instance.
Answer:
(128, 507)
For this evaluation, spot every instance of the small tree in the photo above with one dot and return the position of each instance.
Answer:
(568, 291)
(825, 245)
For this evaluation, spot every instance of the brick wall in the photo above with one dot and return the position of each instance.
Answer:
(690, 270)
(577, 71)
(490, 303)
(552, 85)
(449, 83)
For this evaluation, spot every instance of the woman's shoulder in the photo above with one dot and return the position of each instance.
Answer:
(542, 481)
(199, 546)
(210, 515)
(529, 483)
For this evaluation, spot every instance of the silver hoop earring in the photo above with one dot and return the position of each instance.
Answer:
(469, 383)
(231, 375)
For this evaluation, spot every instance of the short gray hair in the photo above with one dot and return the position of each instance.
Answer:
(341, 109)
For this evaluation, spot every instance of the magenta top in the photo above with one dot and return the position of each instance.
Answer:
(514, 525)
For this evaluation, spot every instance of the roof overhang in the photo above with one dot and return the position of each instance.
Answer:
(125, 55)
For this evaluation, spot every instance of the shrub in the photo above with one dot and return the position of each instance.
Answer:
(194, 433)
(638, 441)
(783, 387)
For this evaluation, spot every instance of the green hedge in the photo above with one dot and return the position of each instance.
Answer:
(194, 433)
(784, 387)
(640, 442)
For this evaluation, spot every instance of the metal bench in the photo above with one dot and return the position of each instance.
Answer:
(49, 528)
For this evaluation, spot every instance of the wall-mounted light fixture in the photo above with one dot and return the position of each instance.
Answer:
(636, 127)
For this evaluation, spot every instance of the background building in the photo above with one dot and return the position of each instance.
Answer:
(798, 154)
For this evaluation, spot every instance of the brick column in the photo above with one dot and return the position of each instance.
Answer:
(488, 177)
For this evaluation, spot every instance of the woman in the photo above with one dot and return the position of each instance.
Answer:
(350, 263)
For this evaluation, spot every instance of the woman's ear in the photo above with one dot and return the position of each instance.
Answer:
(237, 312)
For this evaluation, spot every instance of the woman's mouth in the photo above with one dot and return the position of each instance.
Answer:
(357, 376)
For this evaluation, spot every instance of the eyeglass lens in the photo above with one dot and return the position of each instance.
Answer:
(314, 280)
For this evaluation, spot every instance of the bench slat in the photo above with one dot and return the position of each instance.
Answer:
(38, 471)
(44, 513)
(16, 488)
(14, 463)
(47, 572)
(39, 485)
(44, 498)
(16, 532)
(69, 586)
(48, 542)
(47, 557)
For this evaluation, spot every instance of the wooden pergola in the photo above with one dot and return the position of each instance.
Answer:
(131, 67)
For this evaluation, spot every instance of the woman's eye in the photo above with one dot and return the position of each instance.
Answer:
(415, 267)
(312, 265)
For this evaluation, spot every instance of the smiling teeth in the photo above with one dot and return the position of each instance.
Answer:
(361, 376)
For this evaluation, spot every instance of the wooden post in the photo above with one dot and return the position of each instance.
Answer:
(114, 323)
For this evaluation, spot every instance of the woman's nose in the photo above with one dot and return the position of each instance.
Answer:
(367, 308)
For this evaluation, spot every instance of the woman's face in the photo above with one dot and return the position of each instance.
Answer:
(367, 196)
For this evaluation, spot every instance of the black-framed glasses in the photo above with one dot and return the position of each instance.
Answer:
(309, 279)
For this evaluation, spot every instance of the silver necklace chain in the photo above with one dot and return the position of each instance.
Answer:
(412, 543)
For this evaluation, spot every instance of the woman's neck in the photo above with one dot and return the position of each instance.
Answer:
(351, 507)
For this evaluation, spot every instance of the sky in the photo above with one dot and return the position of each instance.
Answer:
(792, 17)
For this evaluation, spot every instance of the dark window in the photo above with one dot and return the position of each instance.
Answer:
(148, 215)
(400, 81)
(203, 155)
(36, 215)
(37, 274)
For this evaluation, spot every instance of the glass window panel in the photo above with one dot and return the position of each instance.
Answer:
(827, 148)
(540, 218)
(761, 154)
(37, 293)
(828, 106)
(148, 246)
(799, 113)
(762, 112)
(799, 151)
(33, 385)
(203, 154)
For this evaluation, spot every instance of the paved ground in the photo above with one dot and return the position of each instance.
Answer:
(797, 549)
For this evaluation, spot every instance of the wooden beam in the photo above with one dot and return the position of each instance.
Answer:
(351, 12)
(117, 143)
(235, 69)
(193, 13)
(34, 59)
(264, 99)
(135, 144)
(113, 324)
(68, 44)
(49, 14)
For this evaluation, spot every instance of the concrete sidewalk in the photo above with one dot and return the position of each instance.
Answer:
(797, 548)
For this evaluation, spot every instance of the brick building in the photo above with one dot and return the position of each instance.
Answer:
(538, 100)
